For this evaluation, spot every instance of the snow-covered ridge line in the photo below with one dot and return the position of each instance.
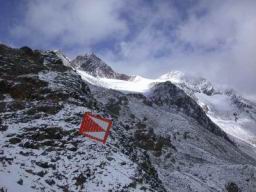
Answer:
(225, 108)
(134, 84)
(140, 84)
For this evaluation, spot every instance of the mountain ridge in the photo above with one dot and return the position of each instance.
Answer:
(156, 143)
(239, 113)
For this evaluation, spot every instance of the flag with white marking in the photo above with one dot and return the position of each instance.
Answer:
(95, 127)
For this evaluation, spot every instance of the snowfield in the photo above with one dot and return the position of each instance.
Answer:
(137, 84)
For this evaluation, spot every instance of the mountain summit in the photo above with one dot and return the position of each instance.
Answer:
(197, 84)
(93, 65)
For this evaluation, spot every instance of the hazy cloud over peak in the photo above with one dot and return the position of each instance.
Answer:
(215, 39)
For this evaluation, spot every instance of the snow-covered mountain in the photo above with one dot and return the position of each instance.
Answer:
(191, 84)
(161, 140)
(233, 113)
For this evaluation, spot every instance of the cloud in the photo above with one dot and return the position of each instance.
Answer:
(224, 38)
(70, 23)
(214, 39)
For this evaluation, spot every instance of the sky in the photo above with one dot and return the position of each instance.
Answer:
(215, 39)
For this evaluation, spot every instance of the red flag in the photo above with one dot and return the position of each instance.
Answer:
(95, 127)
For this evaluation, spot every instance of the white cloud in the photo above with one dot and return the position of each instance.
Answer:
(78, 22)
(216, 40)
(229, 27)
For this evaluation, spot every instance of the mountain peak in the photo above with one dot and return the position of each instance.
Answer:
(91, 56)
(195, 83)
(174, 76)
(93, 65)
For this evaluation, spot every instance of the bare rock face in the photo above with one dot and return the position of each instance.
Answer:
(93, 65)
(232, 187)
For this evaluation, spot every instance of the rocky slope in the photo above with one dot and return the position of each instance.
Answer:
(163, 141)
(42, 103)
(187, 156)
